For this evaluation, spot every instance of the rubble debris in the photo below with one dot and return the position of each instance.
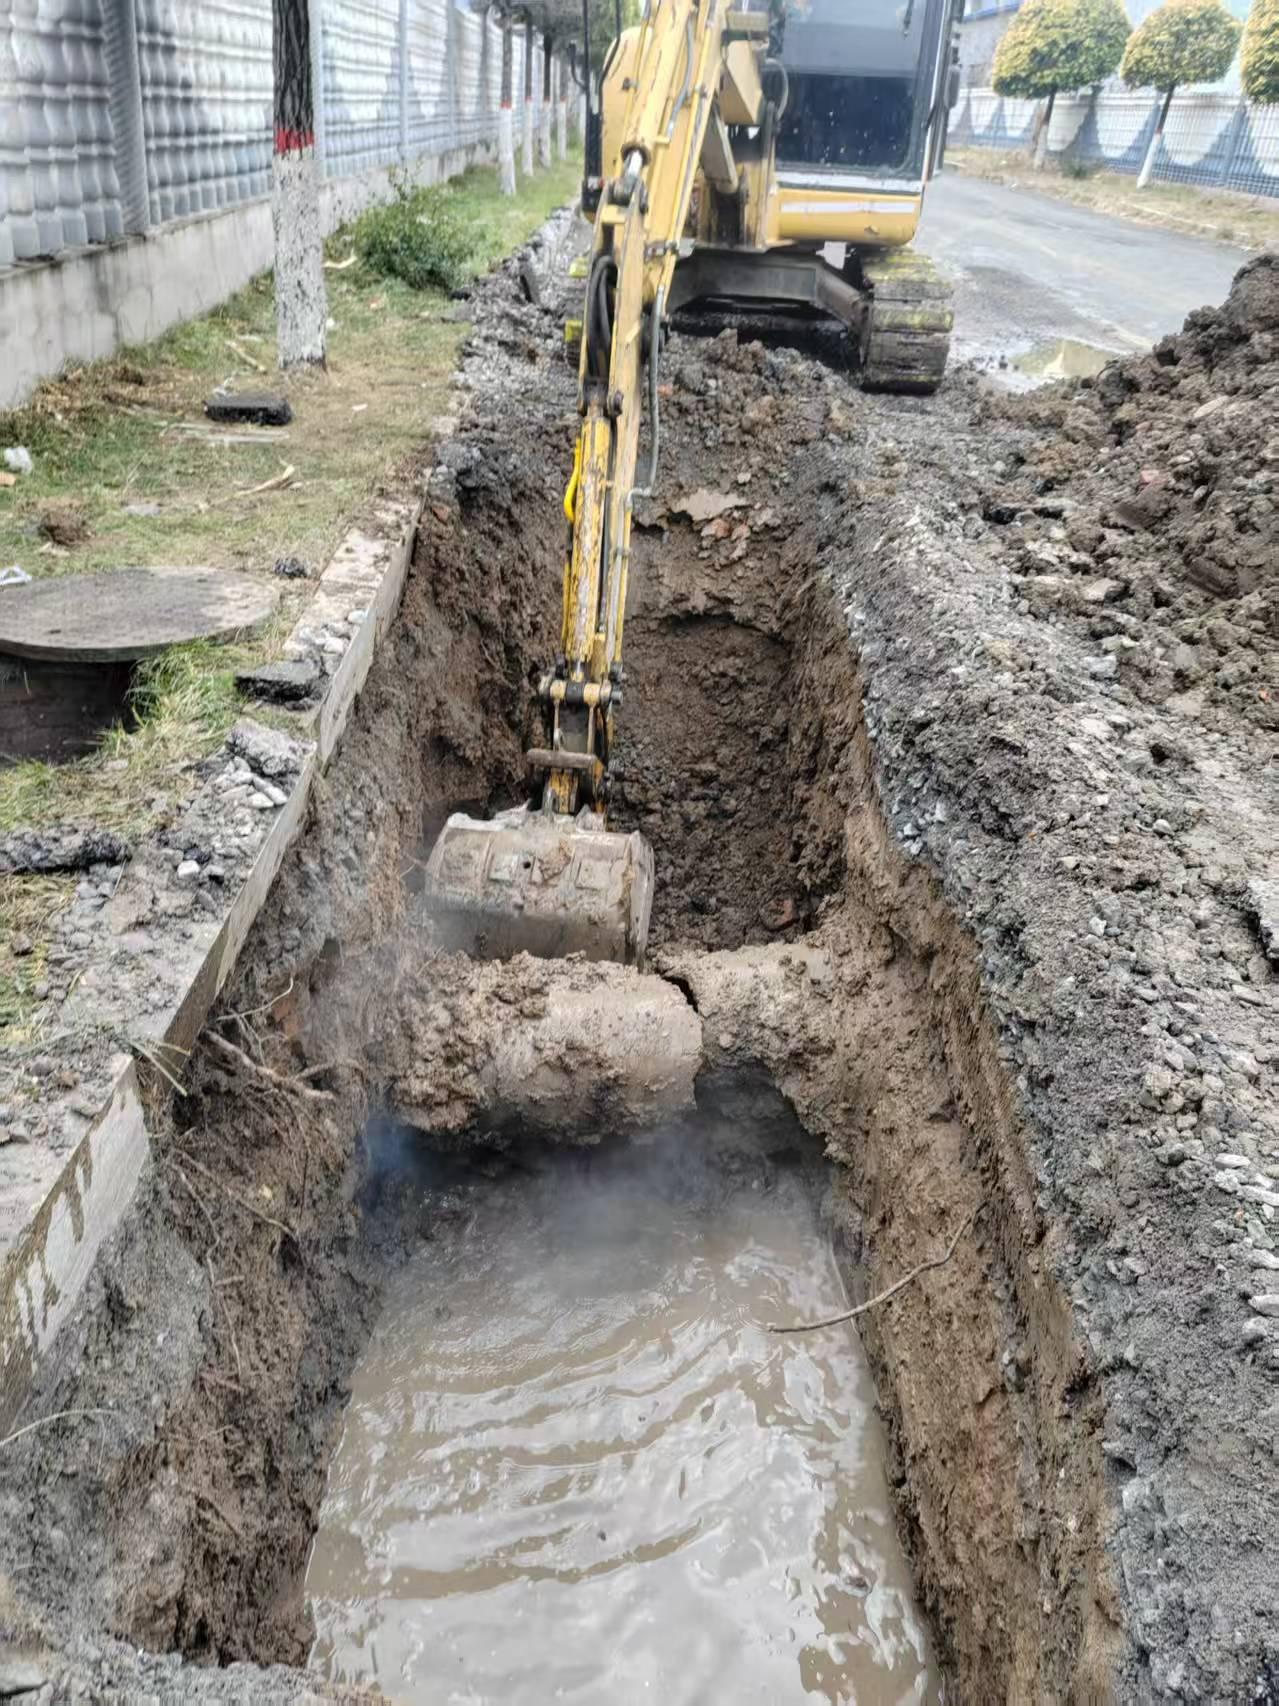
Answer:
(702, 506)
(41, 851)
(285, 682)
(262, 408)
(267, 751)
(64, 524)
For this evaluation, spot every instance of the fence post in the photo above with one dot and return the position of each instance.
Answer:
(1230, 153)
(125, 72)
(317, 85)
(404, 81)
(450, 60)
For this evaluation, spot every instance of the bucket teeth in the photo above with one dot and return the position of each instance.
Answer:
(528, 882)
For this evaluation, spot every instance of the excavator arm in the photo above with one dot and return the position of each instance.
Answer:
(552, 879)
(690, 70)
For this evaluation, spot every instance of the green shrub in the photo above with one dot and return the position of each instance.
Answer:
(1075, 169)
(1261, 53)
(421, 237)
(1058, 45)
(1184, 41)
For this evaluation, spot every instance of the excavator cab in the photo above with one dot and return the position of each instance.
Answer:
(860, 90)
(858, 94)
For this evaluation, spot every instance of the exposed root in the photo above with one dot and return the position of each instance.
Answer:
(258, 1070)
(882, 1296)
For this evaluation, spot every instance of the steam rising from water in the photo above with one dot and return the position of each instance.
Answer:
(574, 1467)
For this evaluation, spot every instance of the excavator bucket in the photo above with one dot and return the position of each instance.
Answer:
(529, 882)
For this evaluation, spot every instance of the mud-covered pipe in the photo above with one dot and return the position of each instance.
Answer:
(571, 1050)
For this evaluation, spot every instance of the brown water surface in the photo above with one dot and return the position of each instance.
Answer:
(576, 1468)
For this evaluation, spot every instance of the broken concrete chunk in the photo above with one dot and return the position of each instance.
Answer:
(284, 682)
(1261, 904)
(530, 283)
(1207, 410)
(267, 751)
(262, 408)
(66, 849)
(19, 1677)
(702, 506)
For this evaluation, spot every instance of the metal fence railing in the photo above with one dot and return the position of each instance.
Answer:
(1216, 141)
(120, 115)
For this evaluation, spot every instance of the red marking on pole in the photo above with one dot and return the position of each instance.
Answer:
(289, 141)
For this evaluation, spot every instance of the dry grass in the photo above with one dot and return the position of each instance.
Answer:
(128, 470)
(1252, 222)
(27, 905)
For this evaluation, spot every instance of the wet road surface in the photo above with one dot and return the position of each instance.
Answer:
(1031, 269)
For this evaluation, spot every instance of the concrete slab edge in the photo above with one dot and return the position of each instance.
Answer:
(69, 1202)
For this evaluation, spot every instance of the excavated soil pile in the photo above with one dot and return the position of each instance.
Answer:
(954, 848)
(1158, 482)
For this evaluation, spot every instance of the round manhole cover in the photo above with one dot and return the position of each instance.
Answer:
(120, 614)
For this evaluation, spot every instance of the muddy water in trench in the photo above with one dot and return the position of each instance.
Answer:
(575, 1467)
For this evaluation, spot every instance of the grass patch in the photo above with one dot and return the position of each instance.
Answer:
(419, 238)
(128, 470)
(124, 445)
(1251, 222)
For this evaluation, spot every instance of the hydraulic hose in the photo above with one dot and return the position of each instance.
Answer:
(654, 415)
(688, 78)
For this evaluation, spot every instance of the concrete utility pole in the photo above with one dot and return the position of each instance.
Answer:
(544, 129)
(505, 116)
(527, 138)
(561, 106)
(301, 302)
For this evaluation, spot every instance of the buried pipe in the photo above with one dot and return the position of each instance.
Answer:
(567, 1050)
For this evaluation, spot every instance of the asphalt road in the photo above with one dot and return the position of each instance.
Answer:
(1030, 269)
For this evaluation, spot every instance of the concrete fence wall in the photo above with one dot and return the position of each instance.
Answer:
(135, 149)
(1213, 140)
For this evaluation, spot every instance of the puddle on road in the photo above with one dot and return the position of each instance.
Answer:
(1064, 358)
(574, 1466)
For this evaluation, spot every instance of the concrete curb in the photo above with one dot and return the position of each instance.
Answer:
(148, 994)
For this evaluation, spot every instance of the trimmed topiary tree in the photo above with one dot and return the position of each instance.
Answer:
(1185, 41)
(1261, 53)
(1056, 45)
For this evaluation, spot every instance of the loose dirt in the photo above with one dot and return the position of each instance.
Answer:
(953, 846)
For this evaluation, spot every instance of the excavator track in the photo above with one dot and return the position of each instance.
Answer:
(905, 334)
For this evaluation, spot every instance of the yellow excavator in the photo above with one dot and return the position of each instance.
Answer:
(734, 147)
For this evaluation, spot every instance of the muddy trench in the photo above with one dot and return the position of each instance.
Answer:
(218, 1342)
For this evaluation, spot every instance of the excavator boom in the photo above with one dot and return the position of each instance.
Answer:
(552, 878)
(693, 202)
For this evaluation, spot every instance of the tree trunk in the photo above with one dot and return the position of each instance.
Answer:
(544, 129)
(561, 108)
(301, 303)
(1148, 164)
(1041, 145)
(505, 116)
(526, 163)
